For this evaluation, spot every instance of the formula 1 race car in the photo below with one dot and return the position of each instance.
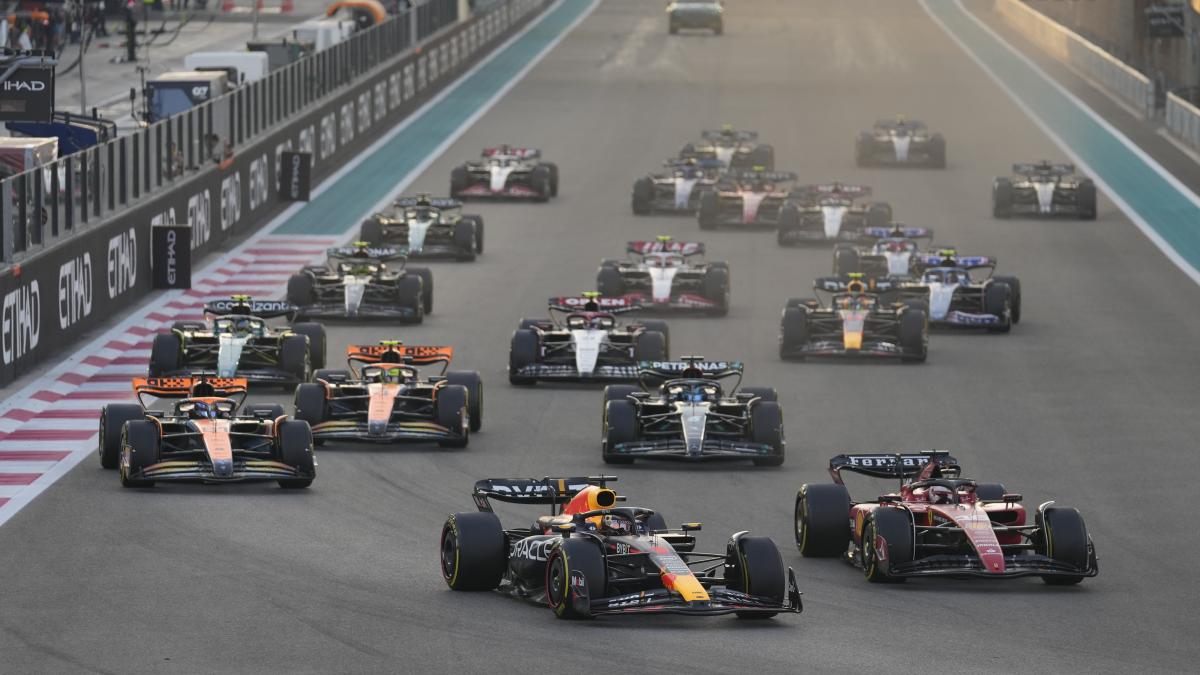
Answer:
(745, 198)
(664, 275)
(207, 436)
(383, 399)
(681, 411)
(591, 557)
(829, 212)
(363, 282)
(732, 148)
(235, 341)
(1044, 189)
(676, 190)
(956, 299)
(506, 173)
(900, 142)
(858, 321)
(887, 251)
(424, 227)
(695, 14)
(939, 524)
(586, 344)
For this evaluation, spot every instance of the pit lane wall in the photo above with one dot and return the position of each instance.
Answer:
(1094, 63)
(48, 300)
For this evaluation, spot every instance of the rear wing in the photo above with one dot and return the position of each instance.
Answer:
(522, 153)
(835, 189)
(684, 248)
(395, 352)
(242, 305)
(1043, 167)
(896, 465)
(536, 491)
(771, 176)
(875, 285)
(439, 203)
(690, 367)
(912, 125)
(970, 262)
(592, 304)
(189, 387)
(717, 135)
(365, 253)
(896, 231)
(704, 163)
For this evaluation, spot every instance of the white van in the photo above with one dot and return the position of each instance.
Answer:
(242, 67)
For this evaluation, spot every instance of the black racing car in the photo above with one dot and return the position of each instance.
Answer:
(682, 412)
(862, 318)
(829, 212)
(363, 282)
(1044, 190)
(425, 227)
(591, 557)
(733, 148)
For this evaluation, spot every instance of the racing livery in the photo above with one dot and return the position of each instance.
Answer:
(505, 173)
(860, 319)
(734, 149)
(939, 524)
(207, 436)
(954, 298)
(235, 341)
(424, 227)
(586, 343)
(665, 275)
(676, 190)
(682, 412)
(382, 398)
(829, 212)
(1046, 190)
(591, 557)
(363, 282)
(695, 14)
(900, 142)
(884, 251)
(745, 198)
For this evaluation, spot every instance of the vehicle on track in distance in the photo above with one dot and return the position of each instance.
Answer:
(425, 227)
(939, 524)
(894, 250)
(587, 343)
(733, 148)
(696, 15)
(681, 411)
(382, 397)
(678, 188)
(900, 142)
(858, 320)
(207, 436)
(592, 557)
(363, 282)
(1044, 189)
(505, 172)
(745, 198)
(236, 341)
(957, 298)
(667, 275)
(829, 212)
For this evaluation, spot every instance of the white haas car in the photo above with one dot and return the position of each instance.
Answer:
(505, 173)
(885, 251)
(900, 142)
(666, 275)
(585, 343)
(678, 189)
(829, 212)
(745, 198)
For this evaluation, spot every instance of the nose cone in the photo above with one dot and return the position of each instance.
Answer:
(377, 427)
(223, 468)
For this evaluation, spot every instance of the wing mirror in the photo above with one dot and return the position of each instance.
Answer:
(1012, 497)
(690, 527)
(889, 499)
(565, 529)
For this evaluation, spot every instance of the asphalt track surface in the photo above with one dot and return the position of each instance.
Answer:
(1089, 401)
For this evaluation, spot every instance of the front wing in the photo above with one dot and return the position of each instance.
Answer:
(354, 430)
(711, 449)
(366, 311)
(260, 375)
(542, 371)
(663, 601)
(201, 471)
(870, 349)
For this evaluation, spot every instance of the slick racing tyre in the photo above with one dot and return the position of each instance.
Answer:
(1002, 198)
(879, 214)
(764, 156)
(540, 182)
(470, 380)
(460, 180)
(310, 403)
(793, 332)
(300, 290)
(571, 556)
(619, 392)
(473, 551)
(142, 444)
(650, 345)
(449, 408)
(112, 423)
(914, 335)
(766, 427)
(522, 352)
(165, 354)
(997, 300)
(660, 326)
(315, 333)
(426, 286)
(937, 151)
(371, 232)
(464, 240)
(845, 260)
(822, 520)
(294, 356)
(753, 566)
(1063, 538)
(895, 527)
(609, 282)
(478, 221)
(706, 215)
(620, 426)
(716, 289)
(294, 445)
(553, 169)
(408, 296)
(643, 197)
(863, 148)
(1014, 284)
(1085, 199)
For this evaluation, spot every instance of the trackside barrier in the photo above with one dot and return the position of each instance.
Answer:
(1183, 120)
(332, 106)
(1093, 62)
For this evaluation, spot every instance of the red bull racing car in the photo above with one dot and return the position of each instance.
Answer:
(505, 173)
(939, 524)
(592, 557)
(746, 199)
(869, 318)
(667, 275)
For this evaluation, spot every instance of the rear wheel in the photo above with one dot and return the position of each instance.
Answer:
(1014, 285)
(660, 326)
(112, 422)
(1002, 197)
(609, 282)
(1064, 539)
(793, 332)
(895, 528)
(716, 289)
(460, 180)
(426, 286)
(707, 213)
(553, 169)
(166, 352)
(408, 296)
(997, 300)
(450, 407)
(845, 260)
(310, 403)
(478, 221)
(473, 551)
(650, 345)
(643, 196)
(766, 427)
(754, 567)
(371, 231)
(315, 333)
(294, 357)
(764, 156)
(620, 426)
(522, 352)
(142, 444)
(879, 214)
(914, 336)
(300, 290)
(474, 386)
(540, 182)
(464, 240)
(862, 149)
(1085, 199)
(822, 523)
(937, 151)
(295, 447)
(574, 555)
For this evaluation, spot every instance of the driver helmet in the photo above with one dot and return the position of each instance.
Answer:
(727, 130)
(392, 375)
(242, 325)
(940, 494)
(615, 525)
(424, 213)
(202, 410)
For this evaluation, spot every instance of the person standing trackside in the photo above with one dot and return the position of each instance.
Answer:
(24, 42)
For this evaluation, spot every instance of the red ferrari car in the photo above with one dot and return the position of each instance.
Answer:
(939, 524)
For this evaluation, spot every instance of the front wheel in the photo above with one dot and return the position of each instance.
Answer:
(766, 428)
(473, 552)
(1064, 539)
(574, 557)
(887, 540)
(754, 567)
(295, 448)
(112, 423)
(822, 520)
